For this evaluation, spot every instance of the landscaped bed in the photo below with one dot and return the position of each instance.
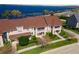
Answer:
(30, 43)
(50, 46)
(51, 36)
(64, 34)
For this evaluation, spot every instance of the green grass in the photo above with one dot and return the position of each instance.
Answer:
(22, 47)
(51, 36)
(19, 47)
(50, 46)
(64, 34)
(54, 37)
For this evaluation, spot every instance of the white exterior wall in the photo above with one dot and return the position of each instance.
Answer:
(1, 42)
(23, 31)
(77, 26)
(39, 31)
(36, 31)
(54, 29)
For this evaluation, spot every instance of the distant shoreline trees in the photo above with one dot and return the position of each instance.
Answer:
(11, 13)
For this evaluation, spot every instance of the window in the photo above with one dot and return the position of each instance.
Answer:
(42, 28)
(57, 31)
(19, 29)
(57, 26)
(40, 33)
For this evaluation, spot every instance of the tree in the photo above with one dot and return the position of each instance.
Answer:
(34, 39)
(6, 13)
(23, 40)
(15, 13)
(45, 12)
(11, 13)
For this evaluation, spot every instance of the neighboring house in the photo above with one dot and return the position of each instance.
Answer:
(73, 21)
(38, 26)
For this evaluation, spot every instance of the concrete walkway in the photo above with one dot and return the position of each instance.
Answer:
(32, 47)
(75, 35)
(60, 36)
(69, 49)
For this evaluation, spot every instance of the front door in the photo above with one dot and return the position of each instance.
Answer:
(4, 36)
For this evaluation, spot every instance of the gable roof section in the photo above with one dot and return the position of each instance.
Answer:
(37, 21)
(76, 16)
(52, 20)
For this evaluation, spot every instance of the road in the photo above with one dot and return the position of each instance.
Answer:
(69, 49)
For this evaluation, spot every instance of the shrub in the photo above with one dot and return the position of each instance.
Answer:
(49, 34)
(34, 39)
(23, 40)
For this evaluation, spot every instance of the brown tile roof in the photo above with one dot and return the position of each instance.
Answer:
(52, 20)
(37, 21)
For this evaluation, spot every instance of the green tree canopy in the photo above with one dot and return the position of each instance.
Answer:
(6, 13)
(45, 12)
(16, 12)
(23, 40)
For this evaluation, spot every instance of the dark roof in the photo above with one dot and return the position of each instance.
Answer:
(76, 16)
(37, 21)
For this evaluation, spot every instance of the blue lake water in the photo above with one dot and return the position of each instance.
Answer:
(28, 9)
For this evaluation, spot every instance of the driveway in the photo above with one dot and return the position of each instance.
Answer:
(69, 49)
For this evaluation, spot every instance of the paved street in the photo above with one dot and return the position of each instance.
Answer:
(69, 49)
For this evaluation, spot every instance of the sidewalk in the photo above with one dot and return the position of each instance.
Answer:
(60, 36)
(72, 33)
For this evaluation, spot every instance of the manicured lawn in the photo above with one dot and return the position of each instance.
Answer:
(29, 45)
(51, 36)
(64, 34)
(54, 37)
(22, 47)
(50, 46)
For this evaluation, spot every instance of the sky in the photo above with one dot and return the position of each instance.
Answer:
(40, 2)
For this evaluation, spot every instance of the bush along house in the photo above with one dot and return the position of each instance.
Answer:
(73, 21)
(11, 29)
